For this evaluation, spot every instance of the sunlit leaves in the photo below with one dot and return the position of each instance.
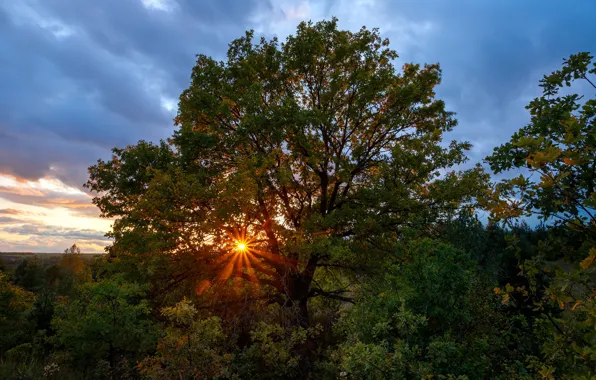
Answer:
(589, 261)
(558, 149)
(190, 347)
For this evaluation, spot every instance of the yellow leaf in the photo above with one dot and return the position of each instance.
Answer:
(568, 161)
(588, 261)
(577, 303)
(547, 372)
(505, 299)
(497, 290)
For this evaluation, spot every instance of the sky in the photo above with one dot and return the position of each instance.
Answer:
(80, 77)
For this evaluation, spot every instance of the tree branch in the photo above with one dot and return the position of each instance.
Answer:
(332, 295)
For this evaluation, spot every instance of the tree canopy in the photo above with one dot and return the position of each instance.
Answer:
(316, 152)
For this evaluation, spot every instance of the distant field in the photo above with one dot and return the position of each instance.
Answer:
(12, 259)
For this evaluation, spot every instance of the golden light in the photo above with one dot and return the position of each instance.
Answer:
(241, 261)
(241, 246)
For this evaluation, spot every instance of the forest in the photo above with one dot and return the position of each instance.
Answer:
(308, 219)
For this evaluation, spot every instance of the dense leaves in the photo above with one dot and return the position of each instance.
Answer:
(107, 320)
(558, 148)
(315, 152)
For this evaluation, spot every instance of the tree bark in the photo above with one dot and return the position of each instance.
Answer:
(303, 313)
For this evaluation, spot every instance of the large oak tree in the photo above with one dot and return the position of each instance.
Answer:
(289, 160)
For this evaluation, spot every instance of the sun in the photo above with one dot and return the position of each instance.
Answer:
(241, 246)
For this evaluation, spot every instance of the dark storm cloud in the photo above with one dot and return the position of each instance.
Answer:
(79, 77)
(494, 53)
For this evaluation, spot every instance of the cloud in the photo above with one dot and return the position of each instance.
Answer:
(8, 220)
(48, 193)
(493, 54)
(45, 244)
(64, 232)
(83, 77)
(10, 211)
(31, 235)
(14, 216)
(280, 18)
(51, 199)
(160, 5)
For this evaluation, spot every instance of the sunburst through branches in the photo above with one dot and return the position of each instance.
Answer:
(241, 258)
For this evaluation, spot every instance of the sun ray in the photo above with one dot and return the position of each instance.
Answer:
(262, 267)
(243, 259)
(268, 256)
(250, 271)
(227, 271)
(223, 258)
(238, 260)
(203, 286)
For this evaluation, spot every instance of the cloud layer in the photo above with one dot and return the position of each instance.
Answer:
(79, 77)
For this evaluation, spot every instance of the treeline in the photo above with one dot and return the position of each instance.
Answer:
(438, 307)
(305, 221)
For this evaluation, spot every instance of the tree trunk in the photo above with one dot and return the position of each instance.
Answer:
(305, 350)
(298, 287)
(112, 360)
(296, 290)
(303, 313)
